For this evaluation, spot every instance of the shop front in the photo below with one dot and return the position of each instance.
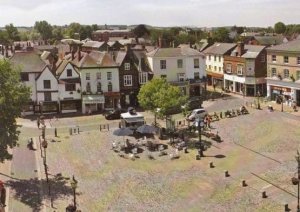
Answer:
(128, 98)
(280, 91)
(215, 79)
(70, 105)
(112, 100)
(92, 103)
(49, 107)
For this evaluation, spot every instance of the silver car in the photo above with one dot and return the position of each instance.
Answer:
(197, 113)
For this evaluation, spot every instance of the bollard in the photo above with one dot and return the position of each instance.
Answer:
(244, 184)
(108, 127)
(78, 130)
(264, 194)
(100, 127)
(286, 207)
(227, 174)
(211, 165)
(221, 116)
(55, 132)
(74, 130)
(70, 131)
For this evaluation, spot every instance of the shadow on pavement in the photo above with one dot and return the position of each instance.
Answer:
(28, 191)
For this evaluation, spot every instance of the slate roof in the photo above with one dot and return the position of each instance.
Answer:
(291, 46)
(269, 40)
(28, 61)
(93, 44)
(62, 66)
(219, 48)
(94, 59)
(251, 51)
(120, 57)
(174, 52)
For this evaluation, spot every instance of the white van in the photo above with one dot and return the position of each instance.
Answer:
(132, 120)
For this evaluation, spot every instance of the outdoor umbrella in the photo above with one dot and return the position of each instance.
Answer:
(146, 129)
(123, 132)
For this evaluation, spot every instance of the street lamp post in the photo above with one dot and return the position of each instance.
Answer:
(200, 126)
(74, 186)
(258, 104)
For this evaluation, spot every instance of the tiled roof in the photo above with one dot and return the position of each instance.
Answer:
(62, 66)
(219, 48)
(269, 40)
(93, 44)
(291, 46)
(94, 59)
(174, 52)
(120, 57)
(251, 51)
(28, 61)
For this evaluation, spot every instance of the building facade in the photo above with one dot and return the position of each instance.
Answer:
(284, 72)
(245, 70)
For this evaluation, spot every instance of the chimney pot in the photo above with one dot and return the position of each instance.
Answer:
(240, 48)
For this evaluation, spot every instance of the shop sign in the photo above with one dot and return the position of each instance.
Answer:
(281, 89)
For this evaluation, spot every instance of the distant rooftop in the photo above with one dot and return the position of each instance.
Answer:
(219, 48)
(174, 52)
(291, 46)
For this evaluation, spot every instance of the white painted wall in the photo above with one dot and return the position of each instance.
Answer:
(104, 82)
(63, 75)
(211, 62)
(190, 70)
(31, 83)
(46, 75)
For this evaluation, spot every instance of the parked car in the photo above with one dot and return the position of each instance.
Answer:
(114, 114)
(197, 113)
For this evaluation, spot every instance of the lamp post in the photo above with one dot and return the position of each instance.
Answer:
(295, 180)
(200, 124)
(74, 186)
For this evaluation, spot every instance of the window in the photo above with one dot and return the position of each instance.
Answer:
(209, 67)
(228, 67)
(98, 75)
(286, 59)
(163, 76)
(298, 60)
(24, 77)
(273, 58)
(47, 97)
(215, 68)
(127, 80)
(181, 77)
(179, 63)
(70, 87)
(99, 87)
(240, 69)
(196, 75)
(87, 76)
(196, 63)
(143, 77)
(109, 76)
(286, 73)
(109, 86)
(163, 64)
(47, 84)
(298, 75)
(69, 72)
(127, 66)
(220, 69)
(88, 87)
(263, 58)
(219, 58)
(209, 57)
(274, 72)
(215, 58)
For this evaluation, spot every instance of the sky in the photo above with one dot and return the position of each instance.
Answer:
(199, 13)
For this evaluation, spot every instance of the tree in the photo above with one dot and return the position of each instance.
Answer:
(279, 27)
(158, 93)
(44, 28)
(85, 32)
(57, 33)
(12, 32)
(141, 30)
(73, 30)
(13, 95)
(221, 35)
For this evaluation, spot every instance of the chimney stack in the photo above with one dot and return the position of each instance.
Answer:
(79, 52)
(240, 48)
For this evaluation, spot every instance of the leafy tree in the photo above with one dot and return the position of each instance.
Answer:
(4, 39)
(94, 27)
(141, 30)
(158, 93)
(13, 95)
(279, 27)
(73, 29)
(57, 33)
(44, 28)
(85, 32)
(221, 35)
(12, 32)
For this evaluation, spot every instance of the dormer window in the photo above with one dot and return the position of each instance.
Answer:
(69, 72)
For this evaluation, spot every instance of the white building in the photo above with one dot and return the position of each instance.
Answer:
(183, 66)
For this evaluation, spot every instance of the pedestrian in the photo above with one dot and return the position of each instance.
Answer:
(38, 122)
(208, 121)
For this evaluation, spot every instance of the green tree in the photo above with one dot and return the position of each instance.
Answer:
(85, 32)
(73, 30)
(57, 33)
(12, 32)
(158, 93)
(141, 30)
(279, 28)
(221, 35)
(44, 28)
(4, 39)
(13, 95)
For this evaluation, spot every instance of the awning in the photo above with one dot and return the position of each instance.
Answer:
(93, 99)
(135, 119)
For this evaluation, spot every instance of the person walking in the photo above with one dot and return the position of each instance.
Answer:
(38, 122)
